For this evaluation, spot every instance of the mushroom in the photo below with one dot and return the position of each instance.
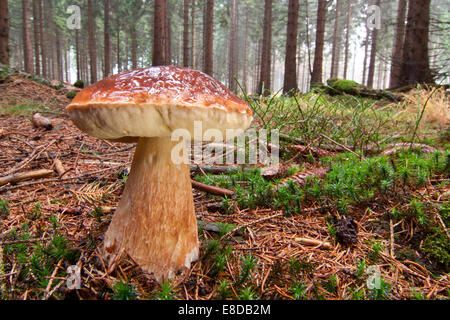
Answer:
(155, 222)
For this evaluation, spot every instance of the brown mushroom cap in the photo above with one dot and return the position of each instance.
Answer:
(155, 101)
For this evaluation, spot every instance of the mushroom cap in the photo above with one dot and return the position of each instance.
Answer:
(155, 101)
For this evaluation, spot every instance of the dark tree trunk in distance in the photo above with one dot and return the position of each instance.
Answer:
(416, 64)
(159, 33)
(399, 38)
(264, 79)
(92, 50)
(290, 68)
(208, 33)
(233, 50)
(107, 39)
(316, 77)
(186, 34)
(373, 53)
(36, 22)
(4, 32)
(27, 44)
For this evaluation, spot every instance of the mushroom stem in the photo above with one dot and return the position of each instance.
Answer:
(155, 221)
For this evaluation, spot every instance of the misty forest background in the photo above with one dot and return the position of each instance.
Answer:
(272, 44)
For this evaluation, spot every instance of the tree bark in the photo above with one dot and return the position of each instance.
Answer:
(316, 77)
(92, 50)
(245, 68)
(397, 51)
(264, 81)
(4, 32)
(36, 21)
(107, 38)
(43, 39)
(335, 51)
(233, 51)
(347, 38)
(290, 68)
(27, 44)
(208, 32)
(159, 34)
(186, 34)
(416, 64)
(193, 61)
(373, 53)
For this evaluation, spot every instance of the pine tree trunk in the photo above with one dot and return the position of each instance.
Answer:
(336, 42)
(290, 68)
(373, 53)
(107, 39)
(208, 36)
(397, 51)
(264, 81)
(92, 50)
(366, 54)
(347, 38)
(77, 53)
(37, 56)
(186, 34)
(43, 39)
(233, 51)
(27, 44)
(133, 47)
(416, 64)
(245, 71)
(316, 77)
(4, 32)
(159, 34)
(193, 62)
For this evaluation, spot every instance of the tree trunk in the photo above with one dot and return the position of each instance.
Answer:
(366, 54)
(92, 50)
(107, 39)
(336, 47)
(193, 62)
(77, 53)
(233, 50)
(208, 36)
(4, 32)
(316, 77)
(416, 64)
(27, 44)
(133, 47)
(43, 39)
(159, 34)
(59, 62)
(264, 81)
(290, 68)
(186, 34)
(373, 53)
(167, 30)
(37, 56)
(399, 38)
(347, 38)
(245, 71)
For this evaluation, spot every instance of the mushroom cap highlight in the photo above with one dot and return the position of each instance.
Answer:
(154, 102)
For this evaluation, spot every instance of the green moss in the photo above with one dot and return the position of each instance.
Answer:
(437, 247)
(344, 85)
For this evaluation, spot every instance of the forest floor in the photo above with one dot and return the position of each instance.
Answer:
(309, 240)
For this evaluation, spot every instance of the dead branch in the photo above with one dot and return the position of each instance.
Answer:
(36, 174)
(210, 189)
(313, 242)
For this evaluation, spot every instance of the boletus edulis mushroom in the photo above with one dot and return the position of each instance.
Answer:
(155, 222)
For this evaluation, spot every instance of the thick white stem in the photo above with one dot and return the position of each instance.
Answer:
(155, 220)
